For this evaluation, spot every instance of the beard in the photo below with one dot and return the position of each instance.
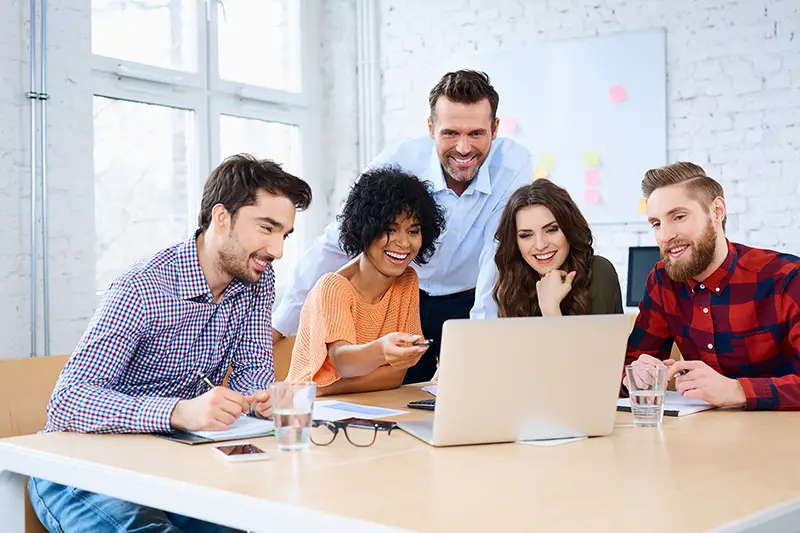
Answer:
(459, 174)
(234, 261)
(702, 255)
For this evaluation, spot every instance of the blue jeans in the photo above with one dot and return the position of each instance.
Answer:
(69, 510)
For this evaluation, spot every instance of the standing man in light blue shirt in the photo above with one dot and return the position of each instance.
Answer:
(473, 174)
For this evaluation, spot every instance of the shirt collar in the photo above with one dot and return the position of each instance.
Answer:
(481, 183)
(190, 281)
(719, 279)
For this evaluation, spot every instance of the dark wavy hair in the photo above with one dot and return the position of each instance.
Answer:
(376, 199)
(515, 289)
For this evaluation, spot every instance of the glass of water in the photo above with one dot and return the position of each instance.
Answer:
(292, 412)
(646, 387)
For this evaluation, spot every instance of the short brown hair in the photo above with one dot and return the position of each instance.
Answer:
(702, 187)
(465, 87)
(237, 180)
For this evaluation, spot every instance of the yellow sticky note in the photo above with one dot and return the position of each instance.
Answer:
(539, 173)
(642, 206)
(591, 159)
(547, 162)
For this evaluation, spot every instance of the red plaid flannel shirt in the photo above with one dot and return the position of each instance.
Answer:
(743, 321)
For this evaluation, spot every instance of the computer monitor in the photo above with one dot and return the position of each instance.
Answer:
(641, 260)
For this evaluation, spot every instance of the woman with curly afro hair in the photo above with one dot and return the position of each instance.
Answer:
(358, 325)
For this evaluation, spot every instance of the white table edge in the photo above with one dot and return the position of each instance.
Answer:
(777, 519)
(204, 503)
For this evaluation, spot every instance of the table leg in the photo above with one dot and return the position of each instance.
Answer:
(12, 501)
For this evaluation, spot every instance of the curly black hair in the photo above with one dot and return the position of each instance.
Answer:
(376, 199)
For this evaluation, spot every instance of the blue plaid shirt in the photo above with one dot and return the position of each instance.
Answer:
(156, 327)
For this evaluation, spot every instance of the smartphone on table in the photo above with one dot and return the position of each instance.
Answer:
(240, 453)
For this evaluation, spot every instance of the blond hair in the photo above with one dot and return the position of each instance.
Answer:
(701, 187)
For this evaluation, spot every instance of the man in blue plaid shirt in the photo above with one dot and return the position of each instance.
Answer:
(202, 305)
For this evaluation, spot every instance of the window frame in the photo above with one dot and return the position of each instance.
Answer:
(210, 97)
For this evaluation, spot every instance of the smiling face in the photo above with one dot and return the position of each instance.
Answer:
(463, 134)
(689, 235)
(540, 240)
(255, 236)
(392, 252)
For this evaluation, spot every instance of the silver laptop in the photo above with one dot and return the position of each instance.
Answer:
(510, 379)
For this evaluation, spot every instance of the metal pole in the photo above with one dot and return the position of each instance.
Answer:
(32, 96)
(43, 132)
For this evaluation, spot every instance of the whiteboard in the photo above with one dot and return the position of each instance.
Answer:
(603, 95)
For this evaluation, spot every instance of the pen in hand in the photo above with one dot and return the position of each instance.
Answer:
(210, 384)
(204, 378)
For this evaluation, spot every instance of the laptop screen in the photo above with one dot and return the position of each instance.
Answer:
(641, 260)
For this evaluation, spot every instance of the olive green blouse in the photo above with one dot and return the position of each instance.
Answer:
(604, 290)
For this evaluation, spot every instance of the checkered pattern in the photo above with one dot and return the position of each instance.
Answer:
(156, 327)
(743, 321)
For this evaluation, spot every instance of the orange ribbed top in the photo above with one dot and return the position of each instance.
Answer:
(333, 311)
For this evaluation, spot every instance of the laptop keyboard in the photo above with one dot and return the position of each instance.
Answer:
(423, 404)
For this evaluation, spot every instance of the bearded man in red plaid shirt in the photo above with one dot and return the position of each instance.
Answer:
(734, 311)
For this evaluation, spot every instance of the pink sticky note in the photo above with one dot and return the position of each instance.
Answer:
(591, 177)
(617, 94)
(591, 196)
(508, 125)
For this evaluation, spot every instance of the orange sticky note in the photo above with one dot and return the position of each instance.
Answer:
(591, 196)
(617, 94)
(539, 173)
(591, 177)
(508, 125)
(642, 206)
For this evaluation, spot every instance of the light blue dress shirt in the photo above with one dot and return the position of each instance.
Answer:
(464, 257)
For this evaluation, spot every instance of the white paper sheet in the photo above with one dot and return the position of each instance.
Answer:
(674, 404)
(335, 410)
(431, 388)
(243, 427)
(551, 442)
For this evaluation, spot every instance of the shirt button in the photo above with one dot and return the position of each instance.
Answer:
(717, 289)
(710, 346)
(705, 309)
(702, 286)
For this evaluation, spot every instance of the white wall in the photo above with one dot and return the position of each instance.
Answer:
(71, 185)
(733, 89)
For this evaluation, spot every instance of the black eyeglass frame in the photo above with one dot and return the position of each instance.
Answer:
(335, 425)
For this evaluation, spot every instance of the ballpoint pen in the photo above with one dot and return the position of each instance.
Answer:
(204, 378)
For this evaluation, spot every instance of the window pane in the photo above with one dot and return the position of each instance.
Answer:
(142, 182)
(268, 140)
(162, 33)
(259, 43)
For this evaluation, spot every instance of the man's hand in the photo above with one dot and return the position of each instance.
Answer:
(703, 382)
(261, 404)
(551, 289)
(644, 370)
(213, 411)
(397, 351)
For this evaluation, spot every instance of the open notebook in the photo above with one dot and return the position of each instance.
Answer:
(244, 427)
(674, 405)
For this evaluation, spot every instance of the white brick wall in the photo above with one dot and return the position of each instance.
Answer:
(71, 185)
(733, 70)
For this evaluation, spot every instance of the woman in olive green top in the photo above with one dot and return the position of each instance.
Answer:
(545, 260)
